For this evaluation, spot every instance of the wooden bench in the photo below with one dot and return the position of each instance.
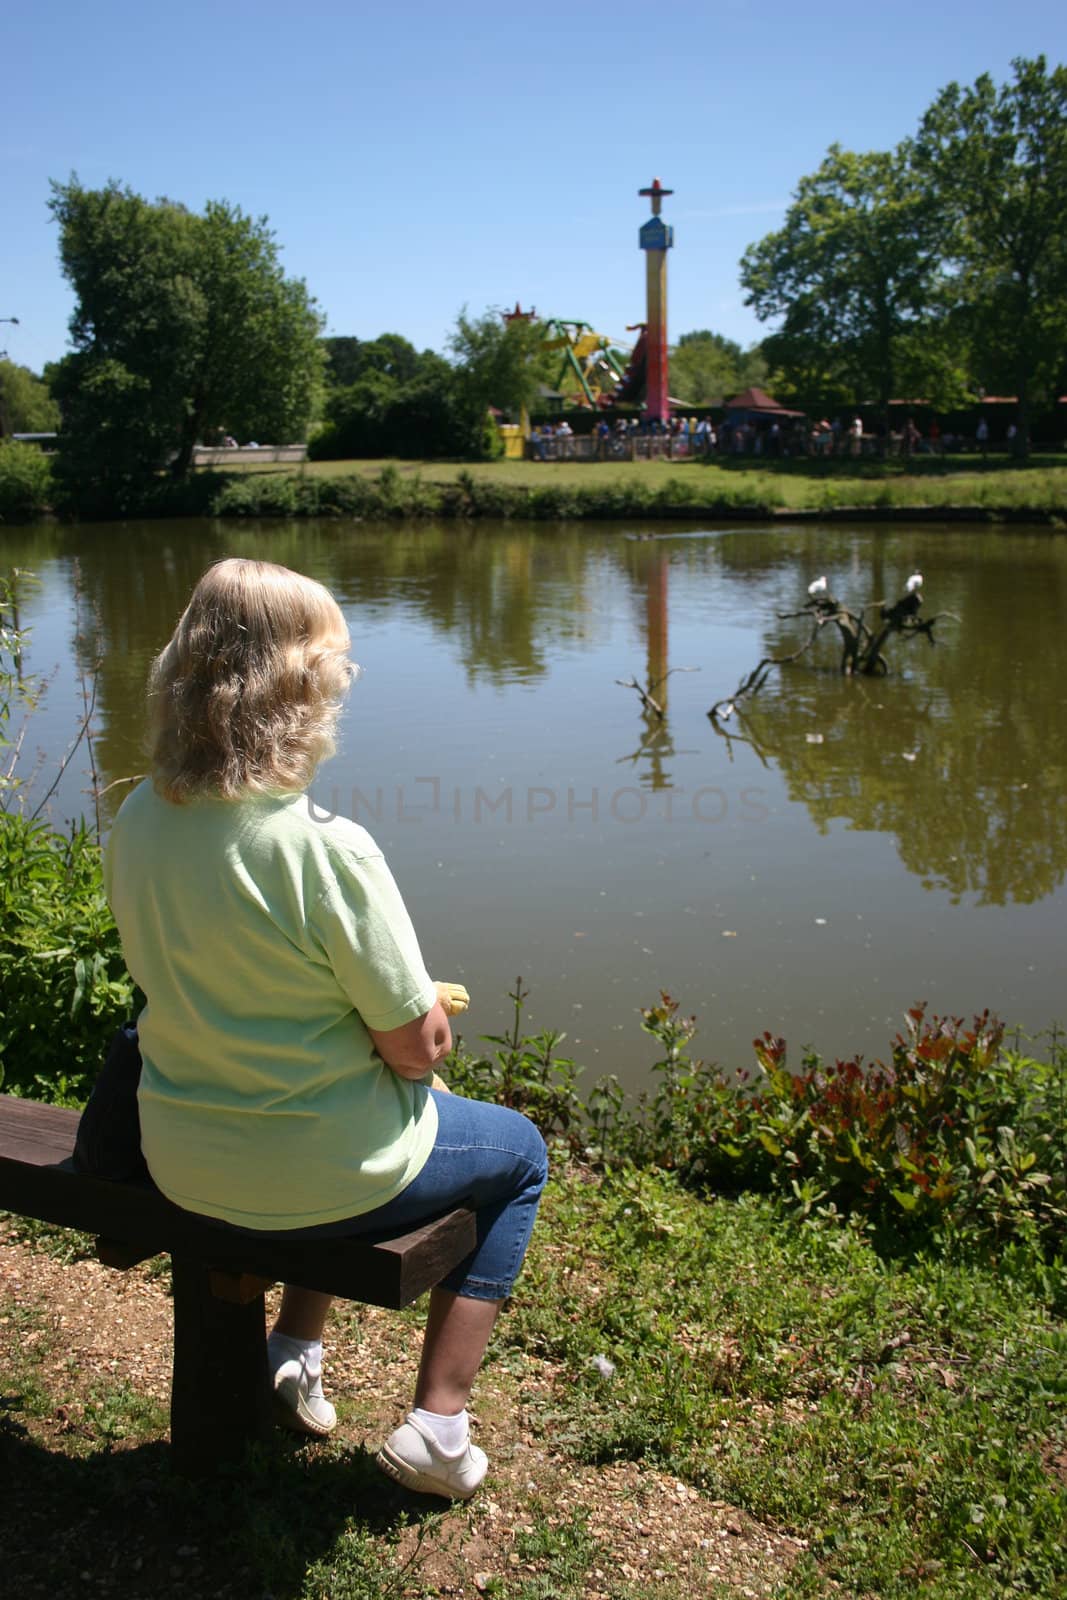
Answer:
(220, 1394)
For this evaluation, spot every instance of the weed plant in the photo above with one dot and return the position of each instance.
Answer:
(63, 982)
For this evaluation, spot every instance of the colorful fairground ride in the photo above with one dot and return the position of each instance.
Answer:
(591, 365)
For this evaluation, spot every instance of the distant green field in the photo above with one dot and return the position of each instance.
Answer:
(989, 487)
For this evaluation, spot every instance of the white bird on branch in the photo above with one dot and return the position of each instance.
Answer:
(820, 586)
(913, 583)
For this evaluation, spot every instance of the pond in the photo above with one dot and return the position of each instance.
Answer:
(852, 848)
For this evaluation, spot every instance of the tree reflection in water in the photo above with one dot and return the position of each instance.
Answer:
(958, 755)
(972, 798)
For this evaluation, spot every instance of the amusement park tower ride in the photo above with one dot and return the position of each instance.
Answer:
(656, 238)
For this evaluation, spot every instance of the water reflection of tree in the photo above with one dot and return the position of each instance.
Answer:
(979, 811)
(505, 601)
(971, 799)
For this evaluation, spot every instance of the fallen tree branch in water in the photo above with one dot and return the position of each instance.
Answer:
(648, 702)
(861, 645)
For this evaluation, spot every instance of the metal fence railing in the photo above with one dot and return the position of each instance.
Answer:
(616, 447)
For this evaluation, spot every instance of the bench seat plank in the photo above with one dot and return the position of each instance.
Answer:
(220, 1394)
(35, 1134)
(38, 1180)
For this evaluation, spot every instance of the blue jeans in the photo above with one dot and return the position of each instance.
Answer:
(487, 1155)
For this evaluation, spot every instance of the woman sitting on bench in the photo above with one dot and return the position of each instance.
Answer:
(291, 1029)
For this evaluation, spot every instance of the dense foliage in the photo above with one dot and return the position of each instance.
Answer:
(384, 398)
(63, 983)
(994, 166)
(957, 1141)
(26, 404)
(853, 275)
(25, 481)
(184, 327)
(392, 401)
(938, 269)
(708, 369)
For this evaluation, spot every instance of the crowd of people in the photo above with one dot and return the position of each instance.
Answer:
(773, 436)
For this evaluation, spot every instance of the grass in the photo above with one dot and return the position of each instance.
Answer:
(897, 1418)
(995, 488)
(904, 1422)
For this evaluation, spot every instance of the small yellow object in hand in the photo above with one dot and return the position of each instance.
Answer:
(453, 997)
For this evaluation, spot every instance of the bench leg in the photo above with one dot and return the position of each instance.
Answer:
(220, 1394)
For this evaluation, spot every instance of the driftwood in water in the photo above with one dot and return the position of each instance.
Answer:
(649, 704)
(861, 643)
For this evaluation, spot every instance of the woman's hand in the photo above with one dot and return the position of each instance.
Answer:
(415, 1049)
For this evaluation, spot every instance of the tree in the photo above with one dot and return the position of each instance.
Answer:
(853, 273)
(401, 403)
(497, 363)
(25, 403)
(348, 359)
(706, 368)
(994, 165)
(185, 326)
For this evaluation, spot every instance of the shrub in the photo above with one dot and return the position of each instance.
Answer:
(63, 985)
(955, 1139)
(25, 482)
(955, 1142)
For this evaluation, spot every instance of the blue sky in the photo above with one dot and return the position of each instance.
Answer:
(416, 158)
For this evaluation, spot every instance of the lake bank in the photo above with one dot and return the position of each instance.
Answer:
(731, 492)
(931, 488)
(1040, 497)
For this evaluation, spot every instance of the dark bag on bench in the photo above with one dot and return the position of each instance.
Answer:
(108, 1143)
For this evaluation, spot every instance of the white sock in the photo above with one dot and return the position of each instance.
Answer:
(281, 1348)
(451, 1433)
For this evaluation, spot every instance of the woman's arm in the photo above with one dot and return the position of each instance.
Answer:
(414, 1049)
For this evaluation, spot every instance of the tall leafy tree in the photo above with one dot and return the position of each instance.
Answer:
(185, 325)
(994, 163)
(853, 274)
(496, 363)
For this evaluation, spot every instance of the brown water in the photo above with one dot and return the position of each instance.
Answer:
(856, 847)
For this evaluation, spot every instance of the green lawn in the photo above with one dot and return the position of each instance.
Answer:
(997, 484)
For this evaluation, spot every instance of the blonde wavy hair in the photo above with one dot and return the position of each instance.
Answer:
(245, 698)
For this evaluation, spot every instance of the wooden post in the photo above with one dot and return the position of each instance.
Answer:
(220, 1394)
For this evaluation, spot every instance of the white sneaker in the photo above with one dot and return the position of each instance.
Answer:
(299, 1402)
(412, 1456)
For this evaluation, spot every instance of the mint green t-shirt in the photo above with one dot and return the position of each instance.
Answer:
(267, 941)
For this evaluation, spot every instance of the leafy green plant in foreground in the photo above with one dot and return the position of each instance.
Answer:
(955, 1136)
(955, 1141)
(524, 1072)
(63, 984)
